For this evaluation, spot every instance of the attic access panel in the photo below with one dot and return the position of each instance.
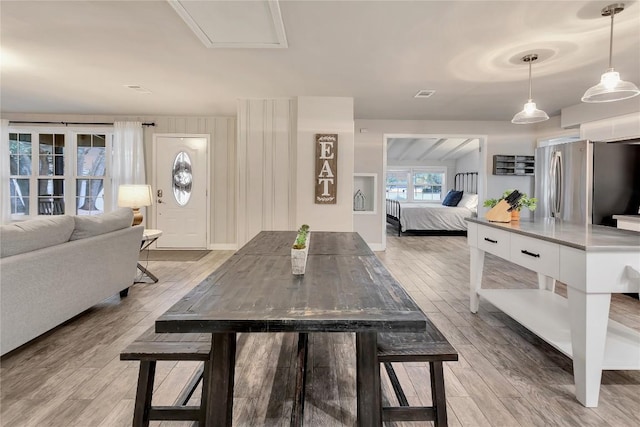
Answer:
(234, 24)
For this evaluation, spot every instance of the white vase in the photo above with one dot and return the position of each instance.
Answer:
(299, 257)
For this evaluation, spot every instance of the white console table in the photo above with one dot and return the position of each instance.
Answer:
(594, 262)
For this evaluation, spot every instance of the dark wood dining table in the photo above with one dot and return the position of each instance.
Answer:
(345, 289)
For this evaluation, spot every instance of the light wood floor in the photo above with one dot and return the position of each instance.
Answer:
(506, 376)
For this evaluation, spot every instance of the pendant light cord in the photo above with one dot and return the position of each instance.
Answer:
(613, 13)
(530, 60)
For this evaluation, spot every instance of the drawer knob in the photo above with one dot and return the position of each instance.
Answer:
(526, 252)
(490, 240)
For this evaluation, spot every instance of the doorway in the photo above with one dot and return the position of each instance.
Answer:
(181, 181)
(446, 154)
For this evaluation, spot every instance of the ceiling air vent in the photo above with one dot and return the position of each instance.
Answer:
(424, 93)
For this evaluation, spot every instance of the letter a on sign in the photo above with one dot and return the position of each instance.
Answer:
(326, 168)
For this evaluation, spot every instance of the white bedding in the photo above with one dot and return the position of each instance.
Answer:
(430, 216)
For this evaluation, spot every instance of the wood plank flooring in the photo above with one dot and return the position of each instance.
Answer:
(506, 376)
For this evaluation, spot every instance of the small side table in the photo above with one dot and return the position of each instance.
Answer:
(148, 237)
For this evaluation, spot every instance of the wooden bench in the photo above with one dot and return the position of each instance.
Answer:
(150, 348)
(429, 346)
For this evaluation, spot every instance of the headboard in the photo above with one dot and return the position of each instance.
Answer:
(466, 181)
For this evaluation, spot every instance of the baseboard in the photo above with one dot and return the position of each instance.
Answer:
(377, 247)
(223, 247)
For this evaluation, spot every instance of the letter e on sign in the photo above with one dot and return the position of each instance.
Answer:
(326, 168)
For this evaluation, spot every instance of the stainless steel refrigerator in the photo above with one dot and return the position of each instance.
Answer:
(588, 182)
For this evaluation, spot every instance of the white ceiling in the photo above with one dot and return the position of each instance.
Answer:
(76, 56)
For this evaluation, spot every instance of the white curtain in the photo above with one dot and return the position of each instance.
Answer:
(5, 203)
(128, 157)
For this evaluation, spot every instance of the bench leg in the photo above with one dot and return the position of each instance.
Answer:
(437, 393)
(297, 413)
(143, 393)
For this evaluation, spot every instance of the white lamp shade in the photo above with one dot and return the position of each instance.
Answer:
(134, 196)
(529, 114)
(610, 88)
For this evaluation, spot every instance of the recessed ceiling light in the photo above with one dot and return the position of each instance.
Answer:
(138, 88)
(424, 93)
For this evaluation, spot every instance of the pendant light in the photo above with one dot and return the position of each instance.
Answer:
(611, 88)
(530, 114)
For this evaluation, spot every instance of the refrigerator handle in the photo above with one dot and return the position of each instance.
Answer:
(554, 186)
(557, 184)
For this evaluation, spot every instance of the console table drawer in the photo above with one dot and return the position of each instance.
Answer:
(537, 255)
(494, 241)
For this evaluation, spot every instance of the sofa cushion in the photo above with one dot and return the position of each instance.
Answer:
(35, 234)
(94, 225)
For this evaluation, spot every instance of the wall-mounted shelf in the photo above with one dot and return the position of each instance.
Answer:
(513, 165)
(367, 183)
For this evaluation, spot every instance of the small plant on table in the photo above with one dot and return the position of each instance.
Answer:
(300, 249)
(301, 239)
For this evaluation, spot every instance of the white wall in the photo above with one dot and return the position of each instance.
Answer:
(266, 166)
(276, 164)
(324, 115)
(501, 138)
(359, 152)
(222, 131)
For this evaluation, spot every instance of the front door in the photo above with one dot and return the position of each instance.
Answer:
(181, 180)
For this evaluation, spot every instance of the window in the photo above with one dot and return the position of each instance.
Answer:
(427, 185)
(416, 184)
(91, 163)
(43, 179)
(182, 178)
(397, 184)
(51, 160)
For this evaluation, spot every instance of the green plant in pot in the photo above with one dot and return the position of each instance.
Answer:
(300, 250)
(301, 238)
(525, 201)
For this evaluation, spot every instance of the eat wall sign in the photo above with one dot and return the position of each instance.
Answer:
(326, 168)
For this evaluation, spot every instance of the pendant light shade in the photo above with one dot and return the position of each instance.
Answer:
(530, 113)
(611, 88)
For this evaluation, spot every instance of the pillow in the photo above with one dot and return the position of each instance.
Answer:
(94, 225)
(34, 234)
(469, 201)
(453, 198)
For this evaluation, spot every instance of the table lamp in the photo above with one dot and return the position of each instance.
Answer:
(135, 197)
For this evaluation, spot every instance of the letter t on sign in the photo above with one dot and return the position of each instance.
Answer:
(326, 169)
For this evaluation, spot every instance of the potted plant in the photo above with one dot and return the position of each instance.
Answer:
(524, 201)
(300, 250)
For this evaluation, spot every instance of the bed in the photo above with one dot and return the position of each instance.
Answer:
(432, 218)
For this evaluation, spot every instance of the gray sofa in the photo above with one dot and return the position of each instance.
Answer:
(56, 267)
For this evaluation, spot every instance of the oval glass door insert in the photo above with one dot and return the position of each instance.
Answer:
(182, 178)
